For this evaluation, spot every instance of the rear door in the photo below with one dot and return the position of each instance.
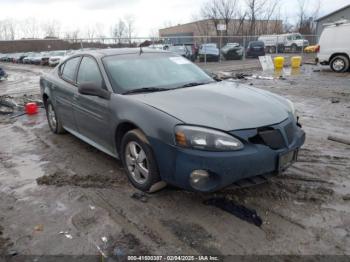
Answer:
(65, 92)
(92, 113)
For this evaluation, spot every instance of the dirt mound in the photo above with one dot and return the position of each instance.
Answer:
(61, 178)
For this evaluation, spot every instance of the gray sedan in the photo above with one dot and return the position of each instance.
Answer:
(169, 122)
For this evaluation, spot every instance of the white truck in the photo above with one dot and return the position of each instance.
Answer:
(334, 46)
(292, 42)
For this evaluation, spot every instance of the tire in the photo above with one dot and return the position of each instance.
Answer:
(340, 64)
(143, 175)
(294, 48)
(272, 50)
(54, 124)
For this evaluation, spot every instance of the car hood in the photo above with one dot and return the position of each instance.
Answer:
(225, 105)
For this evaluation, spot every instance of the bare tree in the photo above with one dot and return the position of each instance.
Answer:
(30, 28)
(72, 34)
(130, 26)
(119, 30)
(99, 29)
(51, 28)
(254, 10)
(90, 32)
(307, 16)
(8, 29)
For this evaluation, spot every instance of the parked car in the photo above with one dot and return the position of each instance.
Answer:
(255, 49)
(334, 47)
(232, 51)
(182, 50)
(292, 42)
(20, 59)
(209, 53)
(168, 121)
(311, 49)
(56, 57)
(36, 58)
(45, 58)
(28, 58)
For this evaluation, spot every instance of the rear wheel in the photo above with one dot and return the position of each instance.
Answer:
(340, 64)
(294, 48)
(139, 162)
(272, 49)
(55, 123)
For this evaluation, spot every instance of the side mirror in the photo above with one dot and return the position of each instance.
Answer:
(91, 89)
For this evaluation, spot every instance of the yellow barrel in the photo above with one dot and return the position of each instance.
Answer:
(279, 62)
(296, 61)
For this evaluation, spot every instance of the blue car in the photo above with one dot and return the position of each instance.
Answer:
(169, 122)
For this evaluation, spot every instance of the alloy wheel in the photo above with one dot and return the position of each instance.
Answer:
(137, 162)
(338, 64)
(51, 116)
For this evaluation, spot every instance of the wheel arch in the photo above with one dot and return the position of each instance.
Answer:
(339, 54)
(120, 131)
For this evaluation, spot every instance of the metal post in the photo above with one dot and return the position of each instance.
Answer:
(244, 48)
(205, 50)
(277, 43)
(220, 46)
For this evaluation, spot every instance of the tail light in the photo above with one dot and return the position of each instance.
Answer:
(318, 48)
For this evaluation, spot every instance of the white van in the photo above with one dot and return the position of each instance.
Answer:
(334, 46)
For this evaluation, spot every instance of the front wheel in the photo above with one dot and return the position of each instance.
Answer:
(139, 162)
(340, 64)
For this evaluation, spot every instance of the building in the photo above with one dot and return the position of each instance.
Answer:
(343, 13)
(196, 31)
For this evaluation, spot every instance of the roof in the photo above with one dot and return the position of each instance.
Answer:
(330, 14)
(121, 51)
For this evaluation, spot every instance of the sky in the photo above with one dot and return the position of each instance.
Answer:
(150, 15)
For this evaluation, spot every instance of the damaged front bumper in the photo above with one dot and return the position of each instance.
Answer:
(263, 153)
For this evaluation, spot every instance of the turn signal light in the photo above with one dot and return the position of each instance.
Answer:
(181, 139)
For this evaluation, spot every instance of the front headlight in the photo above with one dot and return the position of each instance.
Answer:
(205, 139)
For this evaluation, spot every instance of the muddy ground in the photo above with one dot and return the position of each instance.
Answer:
(84, 205)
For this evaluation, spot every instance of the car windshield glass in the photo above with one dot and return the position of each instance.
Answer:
(256, 44)
(131, 72)
(58, 53)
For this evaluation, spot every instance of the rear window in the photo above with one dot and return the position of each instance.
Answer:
(256, 44)
(69, 69)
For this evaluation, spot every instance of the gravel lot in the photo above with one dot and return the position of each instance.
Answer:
(85, 195)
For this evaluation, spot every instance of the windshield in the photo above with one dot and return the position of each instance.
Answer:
(298, 37)
(165, 71)
(58, 53)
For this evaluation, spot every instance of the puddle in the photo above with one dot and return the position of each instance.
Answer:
(237, 210)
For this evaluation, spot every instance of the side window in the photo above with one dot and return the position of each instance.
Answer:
(89, 72)
(69, 69)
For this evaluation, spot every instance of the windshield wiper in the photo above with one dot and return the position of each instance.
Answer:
(191, 84)
(145, 90)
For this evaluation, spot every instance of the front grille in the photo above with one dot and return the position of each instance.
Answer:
(270, 137)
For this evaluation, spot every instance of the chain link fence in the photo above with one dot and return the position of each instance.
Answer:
(197, 48)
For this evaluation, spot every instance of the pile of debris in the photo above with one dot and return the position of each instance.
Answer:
(3, 74)
(7, 105)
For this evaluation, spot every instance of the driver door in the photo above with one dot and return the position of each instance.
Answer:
(92, 113)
